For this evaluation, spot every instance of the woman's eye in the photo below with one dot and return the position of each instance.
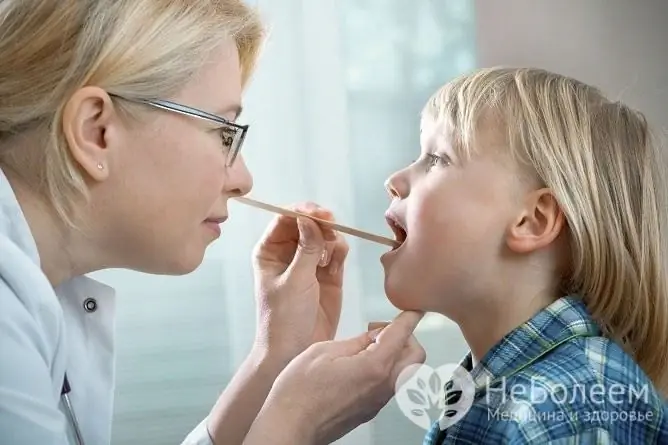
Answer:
(227, 135)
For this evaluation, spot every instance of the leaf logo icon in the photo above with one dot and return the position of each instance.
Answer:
(417, 397)
(424, 398)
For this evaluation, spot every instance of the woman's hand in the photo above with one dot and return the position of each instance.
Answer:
(298, 288)
(335, 386)
(299, 302)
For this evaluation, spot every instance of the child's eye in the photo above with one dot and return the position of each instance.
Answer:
(433, 160)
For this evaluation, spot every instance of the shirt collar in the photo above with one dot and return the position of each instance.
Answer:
(565, 318)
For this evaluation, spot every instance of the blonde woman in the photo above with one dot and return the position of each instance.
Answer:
(536, 218)
(120, 147)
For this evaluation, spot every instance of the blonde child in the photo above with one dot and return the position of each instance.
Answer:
(536, 219)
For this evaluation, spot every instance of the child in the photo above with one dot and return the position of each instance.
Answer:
(536, 219)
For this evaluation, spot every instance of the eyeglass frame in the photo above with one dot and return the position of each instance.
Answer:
(240, 130)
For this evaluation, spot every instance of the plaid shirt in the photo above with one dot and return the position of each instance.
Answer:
(585, 391)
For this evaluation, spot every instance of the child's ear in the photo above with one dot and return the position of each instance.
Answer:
(539, 223)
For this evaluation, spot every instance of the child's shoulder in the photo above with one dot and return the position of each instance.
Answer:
(557, 380)
(587, 388)
(587, 362)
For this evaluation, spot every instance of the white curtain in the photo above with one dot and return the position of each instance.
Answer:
(333, 109)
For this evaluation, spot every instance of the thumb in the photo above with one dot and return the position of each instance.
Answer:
(352, 346)
(309, 249)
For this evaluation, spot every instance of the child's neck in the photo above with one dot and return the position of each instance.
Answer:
(498, 316)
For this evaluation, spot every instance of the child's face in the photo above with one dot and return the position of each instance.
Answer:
(454, 213)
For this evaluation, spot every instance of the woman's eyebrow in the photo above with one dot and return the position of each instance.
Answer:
(236, 108)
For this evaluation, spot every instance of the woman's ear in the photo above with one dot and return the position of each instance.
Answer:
(539, 223)
(87, 116)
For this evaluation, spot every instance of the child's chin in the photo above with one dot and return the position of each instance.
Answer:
(402, 299)
(404, 305)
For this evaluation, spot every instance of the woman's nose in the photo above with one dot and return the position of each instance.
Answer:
(397, 185)
(240, 180)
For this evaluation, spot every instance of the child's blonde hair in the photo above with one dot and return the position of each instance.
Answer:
(599, 160)
(134, 48)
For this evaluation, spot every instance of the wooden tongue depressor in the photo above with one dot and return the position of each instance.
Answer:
(334, 226)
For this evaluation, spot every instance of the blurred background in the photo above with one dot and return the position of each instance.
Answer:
(334, 109)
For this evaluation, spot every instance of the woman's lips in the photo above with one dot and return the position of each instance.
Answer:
(214, 223)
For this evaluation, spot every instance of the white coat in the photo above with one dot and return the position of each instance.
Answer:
(45, 333)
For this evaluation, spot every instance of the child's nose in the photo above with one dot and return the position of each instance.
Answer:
(397, 185)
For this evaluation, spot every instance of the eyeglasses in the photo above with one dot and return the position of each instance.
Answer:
(232, 134)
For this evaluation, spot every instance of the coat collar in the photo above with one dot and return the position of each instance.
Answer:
(12, 221)
(14, 226)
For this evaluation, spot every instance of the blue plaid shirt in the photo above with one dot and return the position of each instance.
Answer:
(557, 380)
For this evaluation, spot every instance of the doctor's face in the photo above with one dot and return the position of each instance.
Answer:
(168, 184)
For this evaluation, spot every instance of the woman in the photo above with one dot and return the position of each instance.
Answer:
(119, 148)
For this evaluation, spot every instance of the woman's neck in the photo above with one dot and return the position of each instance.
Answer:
(64, 252)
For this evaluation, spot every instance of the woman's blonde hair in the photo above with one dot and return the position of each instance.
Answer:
(608, 175)
(134, 48)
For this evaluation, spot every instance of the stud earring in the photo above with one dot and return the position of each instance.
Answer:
(100, 166)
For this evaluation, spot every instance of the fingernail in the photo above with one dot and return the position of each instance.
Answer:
(324, 259)
(373, 335)
(377, 325)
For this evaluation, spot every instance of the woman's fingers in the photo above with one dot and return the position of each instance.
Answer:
(413, 354)
(336, 252)
(342, 384)
(393, 338)
(284, 228)
(326, 255)
(302, 242)
(328, 233)
(400, 344)
(342, 348)
(309, 250)
(377, 325)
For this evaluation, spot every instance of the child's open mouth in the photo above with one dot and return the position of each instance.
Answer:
(398, 229)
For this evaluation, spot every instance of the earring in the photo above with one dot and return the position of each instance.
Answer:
(100, 166)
